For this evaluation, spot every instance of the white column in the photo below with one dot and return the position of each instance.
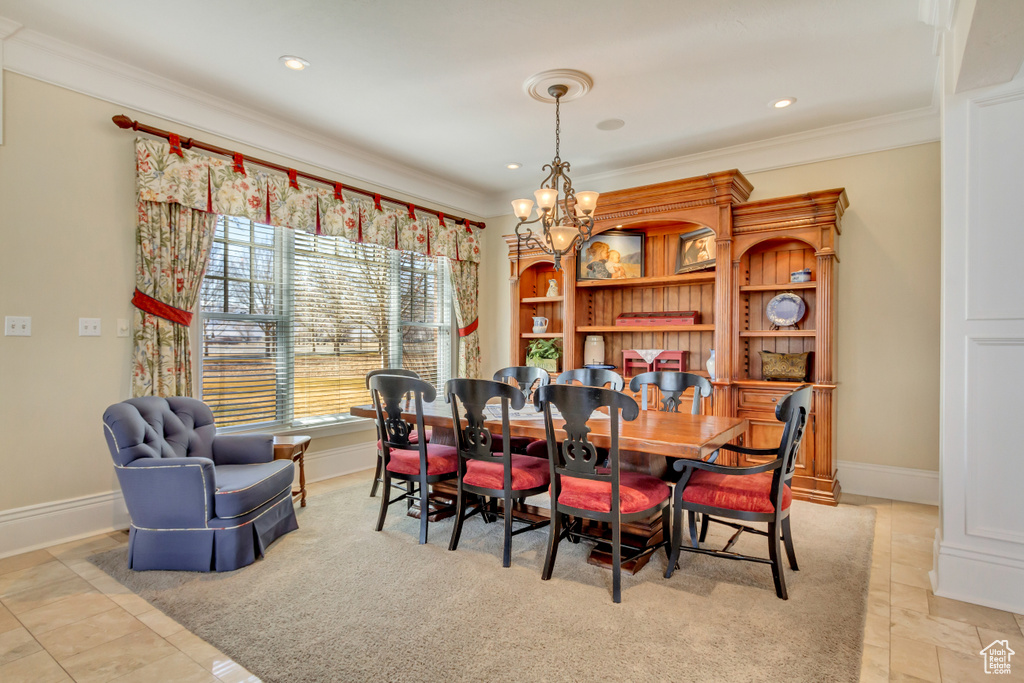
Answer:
(979, 549)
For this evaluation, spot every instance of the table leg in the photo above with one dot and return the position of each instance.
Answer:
(301, 458)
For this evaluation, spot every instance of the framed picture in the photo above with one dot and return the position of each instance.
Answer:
(696, 251)
(612, 255)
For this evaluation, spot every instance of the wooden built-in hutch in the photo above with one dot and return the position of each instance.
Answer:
(758, 245)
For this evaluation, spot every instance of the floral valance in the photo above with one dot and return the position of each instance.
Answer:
(233, 187)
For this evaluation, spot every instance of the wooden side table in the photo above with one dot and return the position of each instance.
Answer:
(294, 448)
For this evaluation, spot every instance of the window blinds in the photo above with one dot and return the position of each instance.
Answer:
(292, 324)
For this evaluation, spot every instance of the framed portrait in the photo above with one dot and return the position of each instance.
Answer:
(612, 255)
(696, 251)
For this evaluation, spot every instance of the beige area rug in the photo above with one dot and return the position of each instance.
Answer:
(337, 601)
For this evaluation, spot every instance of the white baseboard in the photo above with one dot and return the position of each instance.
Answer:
(969, 575)
(46, 524)
(883, 481)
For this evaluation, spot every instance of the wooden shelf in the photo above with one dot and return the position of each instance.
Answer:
(703, 277)
(542, 335)
(645, 328)
(779, 287)
(777, 333)
(540, 299)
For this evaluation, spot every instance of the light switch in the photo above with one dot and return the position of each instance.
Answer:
(18, 326)
(88, 327)
(122, 327)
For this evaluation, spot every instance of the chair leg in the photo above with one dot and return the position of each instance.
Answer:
(555, 529)
(775, 553)
(385, 497)
(506, 557)
(616, 560)
(424, 507)
(376, 475)
(787, 537)
(704, 520)
(677, 531)
(409, 489)
(459, 516)
(666, 530)
(692, 518)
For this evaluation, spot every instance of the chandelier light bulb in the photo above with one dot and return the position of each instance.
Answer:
(522, 208)
(587, 202)
(546, 197)
(562, 236)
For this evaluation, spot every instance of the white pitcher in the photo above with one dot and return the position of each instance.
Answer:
(540, 324)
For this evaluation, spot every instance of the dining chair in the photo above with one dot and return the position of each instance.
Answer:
(413, 438)
(583, 489)
(418, 464)
(756, 493)
(671, 386)
(592, 377)
(528, 379)
(483, 471)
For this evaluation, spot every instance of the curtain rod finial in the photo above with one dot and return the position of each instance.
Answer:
(122, 121)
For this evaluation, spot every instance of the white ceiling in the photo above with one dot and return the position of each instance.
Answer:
(437, 86)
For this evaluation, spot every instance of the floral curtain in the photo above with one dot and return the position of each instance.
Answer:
(174, 245)
(172, 251)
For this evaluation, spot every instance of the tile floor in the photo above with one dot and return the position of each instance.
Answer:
(61, 619)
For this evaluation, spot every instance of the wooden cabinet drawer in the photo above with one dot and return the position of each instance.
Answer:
(761, 399)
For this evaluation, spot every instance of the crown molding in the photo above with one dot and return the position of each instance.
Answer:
(8, 27)
(892, 131)
(47, 59)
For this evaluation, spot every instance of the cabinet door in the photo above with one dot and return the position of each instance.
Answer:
(766, 432)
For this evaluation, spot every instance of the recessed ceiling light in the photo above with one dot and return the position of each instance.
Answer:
(611, 124)
(294, 63)
(513, 165)
(784, 102)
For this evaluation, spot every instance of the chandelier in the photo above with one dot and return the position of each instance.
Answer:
(566, 217)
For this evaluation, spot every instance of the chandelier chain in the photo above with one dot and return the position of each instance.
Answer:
(558, 126)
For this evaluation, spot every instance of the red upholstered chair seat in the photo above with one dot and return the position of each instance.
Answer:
(414, 437)
(440, 460)
(746, 493)
(636, 492)
(527, 473)
(517, 444)
(538, 448)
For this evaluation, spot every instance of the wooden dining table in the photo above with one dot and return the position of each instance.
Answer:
(648, 444)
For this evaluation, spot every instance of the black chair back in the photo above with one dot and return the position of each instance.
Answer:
(671, 385)
(576, 455)
(794, 409)
(401, 372)
(474, 440)
(525, 377)
(389, 392)
(591, 377)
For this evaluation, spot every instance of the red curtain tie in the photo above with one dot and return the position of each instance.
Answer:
(376, 202)
(239, 164)
(146, 303)
(175, 141)
(337, 192)
(412, 212)
(293, 178)
(469, 329)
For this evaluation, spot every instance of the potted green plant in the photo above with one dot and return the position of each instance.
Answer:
(544, 353)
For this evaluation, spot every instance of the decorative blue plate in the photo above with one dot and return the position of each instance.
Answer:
(786, 309)
(599, 366)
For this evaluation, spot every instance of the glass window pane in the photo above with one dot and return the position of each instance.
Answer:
(238, 297)
(238, 262)
(211, 296)
(263, 264)
(263, 299)
(239, 229)
(218, 233)
(216, 267)
(263, 234)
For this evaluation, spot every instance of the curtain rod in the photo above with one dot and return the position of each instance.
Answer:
(122, 121)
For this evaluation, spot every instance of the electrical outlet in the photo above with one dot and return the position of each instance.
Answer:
(18, 326)
(88, 327)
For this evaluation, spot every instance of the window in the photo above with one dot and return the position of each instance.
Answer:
(292, 322)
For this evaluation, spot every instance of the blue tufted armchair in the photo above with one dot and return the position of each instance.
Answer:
(197, 501)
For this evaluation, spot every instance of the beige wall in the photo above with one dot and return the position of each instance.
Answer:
(67, 196)
(888, 299)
